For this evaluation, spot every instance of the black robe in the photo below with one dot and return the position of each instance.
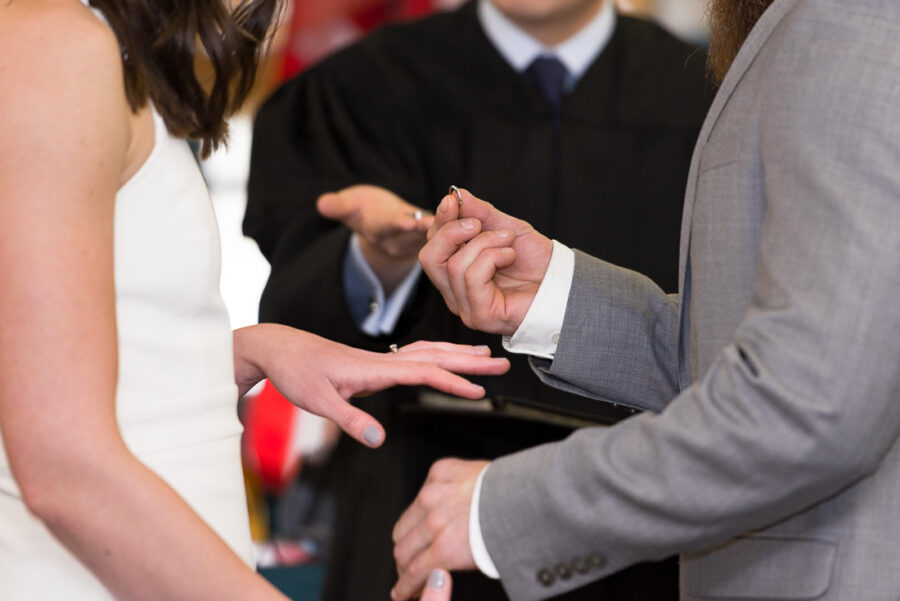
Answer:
(415, 108)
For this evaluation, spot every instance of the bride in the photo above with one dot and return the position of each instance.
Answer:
(119, 444)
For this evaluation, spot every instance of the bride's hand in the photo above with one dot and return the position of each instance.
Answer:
(320, 375)
(439, 586)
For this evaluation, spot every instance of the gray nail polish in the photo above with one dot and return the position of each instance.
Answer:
(372, 435)
(436, 579)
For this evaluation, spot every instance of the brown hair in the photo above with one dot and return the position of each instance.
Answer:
(159, 39)
(730, 22)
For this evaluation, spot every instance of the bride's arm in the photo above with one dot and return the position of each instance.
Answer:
(64, 126)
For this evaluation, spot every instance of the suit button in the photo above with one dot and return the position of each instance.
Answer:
(563, 571)
(597, 560)
(580, 566)
(546, 577)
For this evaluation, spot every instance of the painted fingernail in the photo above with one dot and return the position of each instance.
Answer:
(372, 435)
(436, 579)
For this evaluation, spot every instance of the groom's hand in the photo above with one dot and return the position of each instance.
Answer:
(434, 531)
(487, 265)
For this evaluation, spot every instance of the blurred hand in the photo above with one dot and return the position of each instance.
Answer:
(434, 531)
(320, 375)
(390, 235)
(439, 588)
(487, 265)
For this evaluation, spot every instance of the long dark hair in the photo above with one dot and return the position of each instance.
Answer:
(159, 39)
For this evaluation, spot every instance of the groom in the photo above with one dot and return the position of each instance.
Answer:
(769, 456)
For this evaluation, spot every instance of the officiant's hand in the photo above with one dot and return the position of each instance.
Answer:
(320, 375)
(391, 230)
(487, 265)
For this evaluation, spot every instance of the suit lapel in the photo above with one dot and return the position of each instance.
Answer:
(758, 36)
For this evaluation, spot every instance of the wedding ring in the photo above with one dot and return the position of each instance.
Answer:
(455, 190)
(393, 348)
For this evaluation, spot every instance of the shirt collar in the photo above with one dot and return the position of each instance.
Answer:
(520, 49)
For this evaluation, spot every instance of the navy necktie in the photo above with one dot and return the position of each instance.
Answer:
(548, 74)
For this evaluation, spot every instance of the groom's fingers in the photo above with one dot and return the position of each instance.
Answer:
(409, 519)
(442, 246)
(447, 211)
(472, 206)
(411, 546)
(488, 309)
(459, 263)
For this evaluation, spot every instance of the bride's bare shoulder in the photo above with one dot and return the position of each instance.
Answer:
(62, 83)
(53, 38)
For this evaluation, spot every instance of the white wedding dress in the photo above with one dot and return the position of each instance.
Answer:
(176, 396)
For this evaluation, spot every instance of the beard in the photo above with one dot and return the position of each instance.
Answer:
(730, 22)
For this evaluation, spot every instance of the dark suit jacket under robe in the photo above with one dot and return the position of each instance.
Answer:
(414, 108)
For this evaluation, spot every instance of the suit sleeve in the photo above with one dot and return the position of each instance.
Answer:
(619, 340)
(800, 405)
(320, 132)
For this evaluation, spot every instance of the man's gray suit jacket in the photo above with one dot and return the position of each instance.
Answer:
(770, 459)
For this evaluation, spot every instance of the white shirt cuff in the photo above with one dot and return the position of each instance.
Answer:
(476, 541)
(538, 334)
(385, 312)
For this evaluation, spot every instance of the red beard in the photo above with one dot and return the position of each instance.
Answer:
(730, 22)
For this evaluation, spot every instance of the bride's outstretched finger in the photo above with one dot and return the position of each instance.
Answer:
(439, 587)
